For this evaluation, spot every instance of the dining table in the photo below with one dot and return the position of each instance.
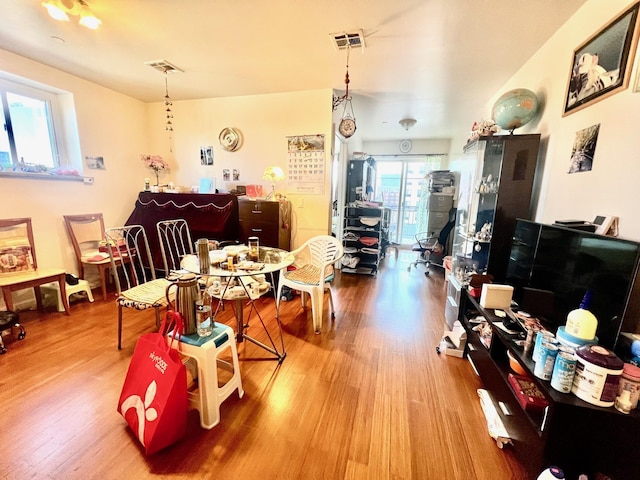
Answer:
(242, 282)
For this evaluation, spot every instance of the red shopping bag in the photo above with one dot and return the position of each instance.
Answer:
(154, 395)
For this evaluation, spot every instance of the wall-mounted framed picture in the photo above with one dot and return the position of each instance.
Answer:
(602, 65)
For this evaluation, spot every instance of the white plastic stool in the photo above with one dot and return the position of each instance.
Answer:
(82, 286)
(205, 351)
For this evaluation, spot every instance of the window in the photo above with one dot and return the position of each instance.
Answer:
(28, 138)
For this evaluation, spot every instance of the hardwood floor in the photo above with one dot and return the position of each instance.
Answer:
(368, 398)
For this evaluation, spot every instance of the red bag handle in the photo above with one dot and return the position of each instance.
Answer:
(172, 318)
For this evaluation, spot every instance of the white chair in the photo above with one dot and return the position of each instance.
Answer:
(81, 286)
(313, 274)
(136, 282)
(207, 351)
(175, 242)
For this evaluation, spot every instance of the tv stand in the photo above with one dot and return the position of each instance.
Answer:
(570, 433)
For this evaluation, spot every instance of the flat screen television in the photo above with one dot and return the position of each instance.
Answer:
(551, 268)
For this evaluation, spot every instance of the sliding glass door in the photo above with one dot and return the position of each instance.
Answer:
(400, 183)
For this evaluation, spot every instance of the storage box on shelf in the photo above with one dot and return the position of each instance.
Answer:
(362, 237)
(575, 435)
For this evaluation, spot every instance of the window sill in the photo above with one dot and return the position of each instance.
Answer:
(47, 176)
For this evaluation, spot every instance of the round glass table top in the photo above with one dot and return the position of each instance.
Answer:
(269, 260)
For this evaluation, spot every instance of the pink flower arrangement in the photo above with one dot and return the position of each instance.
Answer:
(155, 163)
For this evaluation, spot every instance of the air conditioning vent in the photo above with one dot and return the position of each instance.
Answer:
(344, 40)
(163, 66)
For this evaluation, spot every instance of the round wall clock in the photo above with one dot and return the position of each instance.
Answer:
(230, 139)
(347, 127)
(405, 146)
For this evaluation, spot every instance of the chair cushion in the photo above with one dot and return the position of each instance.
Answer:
(125, 302)
(308, 274)
(149, 294)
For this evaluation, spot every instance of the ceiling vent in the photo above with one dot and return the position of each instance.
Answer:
(344, 40)
(163, 66)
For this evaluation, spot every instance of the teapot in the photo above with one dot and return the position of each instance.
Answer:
(186, 296)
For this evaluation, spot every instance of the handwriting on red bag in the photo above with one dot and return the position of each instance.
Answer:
(161, 365)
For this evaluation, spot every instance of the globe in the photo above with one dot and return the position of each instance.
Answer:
(515, 108)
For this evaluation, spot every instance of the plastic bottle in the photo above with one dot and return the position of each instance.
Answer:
(581, 323)
(623, 402)
(204, 322)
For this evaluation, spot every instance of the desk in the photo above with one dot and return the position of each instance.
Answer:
(34, 279)
(270, 260)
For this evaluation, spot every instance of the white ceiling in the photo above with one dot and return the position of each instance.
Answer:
(437, 61)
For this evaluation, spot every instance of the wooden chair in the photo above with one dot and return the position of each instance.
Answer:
(138, 288)
(86, 232)
(19, 265)
(313, 274)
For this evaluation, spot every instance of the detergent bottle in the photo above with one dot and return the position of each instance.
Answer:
(581, 323)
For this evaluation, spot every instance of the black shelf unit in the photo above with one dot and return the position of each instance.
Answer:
(495, 189)
(573, 434)
(354, 230)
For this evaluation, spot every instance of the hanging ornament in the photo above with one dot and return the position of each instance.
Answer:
(347, 125)
(168, 113)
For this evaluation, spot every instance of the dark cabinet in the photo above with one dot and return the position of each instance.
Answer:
(495, 189)
(575, 435)
(270, 221)
(360, 179)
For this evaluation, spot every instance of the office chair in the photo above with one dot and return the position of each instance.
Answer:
(428, 246)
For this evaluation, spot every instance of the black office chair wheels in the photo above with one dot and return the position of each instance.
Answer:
(21, 335)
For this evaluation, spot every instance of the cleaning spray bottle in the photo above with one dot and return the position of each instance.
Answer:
(581, 323)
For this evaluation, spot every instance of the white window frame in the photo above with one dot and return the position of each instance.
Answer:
(56, 105)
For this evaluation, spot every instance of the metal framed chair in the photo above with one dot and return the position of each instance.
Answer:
(175, 242)
(138, 288)
(313, 274)
(19, 264)
(429, 246)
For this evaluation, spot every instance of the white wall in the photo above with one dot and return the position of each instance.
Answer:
(610, 188)
(120, 129)
(110, 125)
(264, 121)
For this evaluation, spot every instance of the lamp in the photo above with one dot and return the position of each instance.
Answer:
(61, 9)
(273, 174)
(407, 123)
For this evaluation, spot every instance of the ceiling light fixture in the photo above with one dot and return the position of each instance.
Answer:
(407, 123)
(61, 9)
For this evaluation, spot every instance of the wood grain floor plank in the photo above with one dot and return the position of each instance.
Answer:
(368, 398)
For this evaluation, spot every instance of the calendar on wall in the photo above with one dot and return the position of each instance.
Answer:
(306, 164)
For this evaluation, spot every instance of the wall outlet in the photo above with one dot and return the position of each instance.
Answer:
(88, 180)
